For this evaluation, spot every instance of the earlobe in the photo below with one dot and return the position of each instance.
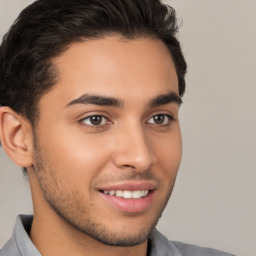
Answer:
(16, 136)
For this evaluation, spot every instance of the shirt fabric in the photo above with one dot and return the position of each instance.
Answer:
(21, 245)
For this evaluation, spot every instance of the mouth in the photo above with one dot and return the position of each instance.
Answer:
(129, 197)
(127, 194)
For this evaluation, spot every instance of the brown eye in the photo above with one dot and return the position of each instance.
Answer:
(160, 119)
(95, 120)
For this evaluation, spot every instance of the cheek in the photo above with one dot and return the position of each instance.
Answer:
(168, 153)
(76, 156)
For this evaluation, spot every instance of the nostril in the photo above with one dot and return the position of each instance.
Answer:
(129, 166)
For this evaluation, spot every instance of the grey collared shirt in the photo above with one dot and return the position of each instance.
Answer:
(21, 245)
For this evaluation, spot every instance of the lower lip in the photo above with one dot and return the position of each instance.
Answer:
(130, 205)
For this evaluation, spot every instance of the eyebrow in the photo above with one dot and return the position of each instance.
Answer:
(170, 97)
(97, 100)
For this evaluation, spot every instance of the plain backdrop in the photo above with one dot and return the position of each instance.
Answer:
(213, 203)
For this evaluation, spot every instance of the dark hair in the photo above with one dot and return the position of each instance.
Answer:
(47, 27)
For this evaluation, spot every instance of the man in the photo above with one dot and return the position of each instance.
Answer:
(90, 93)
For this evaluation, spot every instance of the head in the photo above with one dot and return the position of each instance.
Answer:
(97, 86)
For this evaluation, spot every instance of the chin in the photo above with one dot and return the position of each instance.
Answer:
(122, 240)
(125, 235)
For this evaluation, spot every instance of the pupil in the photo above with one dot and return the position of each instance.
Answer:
(96, 120)
(159, 119)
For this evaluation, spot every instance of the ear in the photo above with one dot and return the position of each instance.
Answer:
(16, 136)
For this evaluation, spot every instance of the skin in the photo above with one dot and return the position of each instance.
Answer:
(68, 158)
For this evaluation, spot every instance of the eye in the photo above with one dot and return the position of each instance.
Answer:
(161, 119)
(95, 120)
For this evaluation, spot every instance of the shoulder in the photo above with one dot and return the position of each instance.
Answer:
(193, 250)
(160, 245)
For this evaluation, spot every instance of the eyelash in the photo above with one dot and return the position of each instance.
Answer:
(107, 122)
(92, 125)
(166, 116)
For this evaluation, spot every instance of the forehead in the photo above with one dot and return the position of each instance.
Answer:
(114, 66)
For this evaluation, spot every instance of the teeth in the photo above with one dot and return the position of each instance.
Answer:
(112, 192)
(127, 194)
(136, 194)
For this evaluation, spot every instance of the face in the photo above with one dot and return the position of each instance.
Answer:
(108, 143)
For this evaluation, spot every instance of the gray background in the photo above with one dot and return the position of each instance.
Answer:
(213, 203)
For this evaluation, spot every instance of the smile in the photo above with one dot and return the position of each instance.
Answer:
(127, 194)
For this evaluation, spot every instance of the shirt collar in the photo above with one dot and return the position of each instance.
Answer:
(20, 234)
(159, 244)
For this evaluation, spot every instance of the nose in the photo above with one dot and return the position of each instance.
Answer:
(133, 150)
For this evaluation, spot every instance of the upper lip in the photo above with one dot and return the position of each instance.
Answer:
(130, 186)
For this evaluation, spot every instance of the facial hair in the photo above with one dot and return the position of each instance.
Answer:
(65, 201)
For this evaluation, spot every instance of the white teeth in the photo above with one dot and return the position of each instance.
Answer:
(119, 193)
(136, 194)
(112, 192)
(127, 194)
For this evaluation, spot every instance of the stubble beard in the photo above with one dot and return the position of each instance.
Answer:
(61, 200)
